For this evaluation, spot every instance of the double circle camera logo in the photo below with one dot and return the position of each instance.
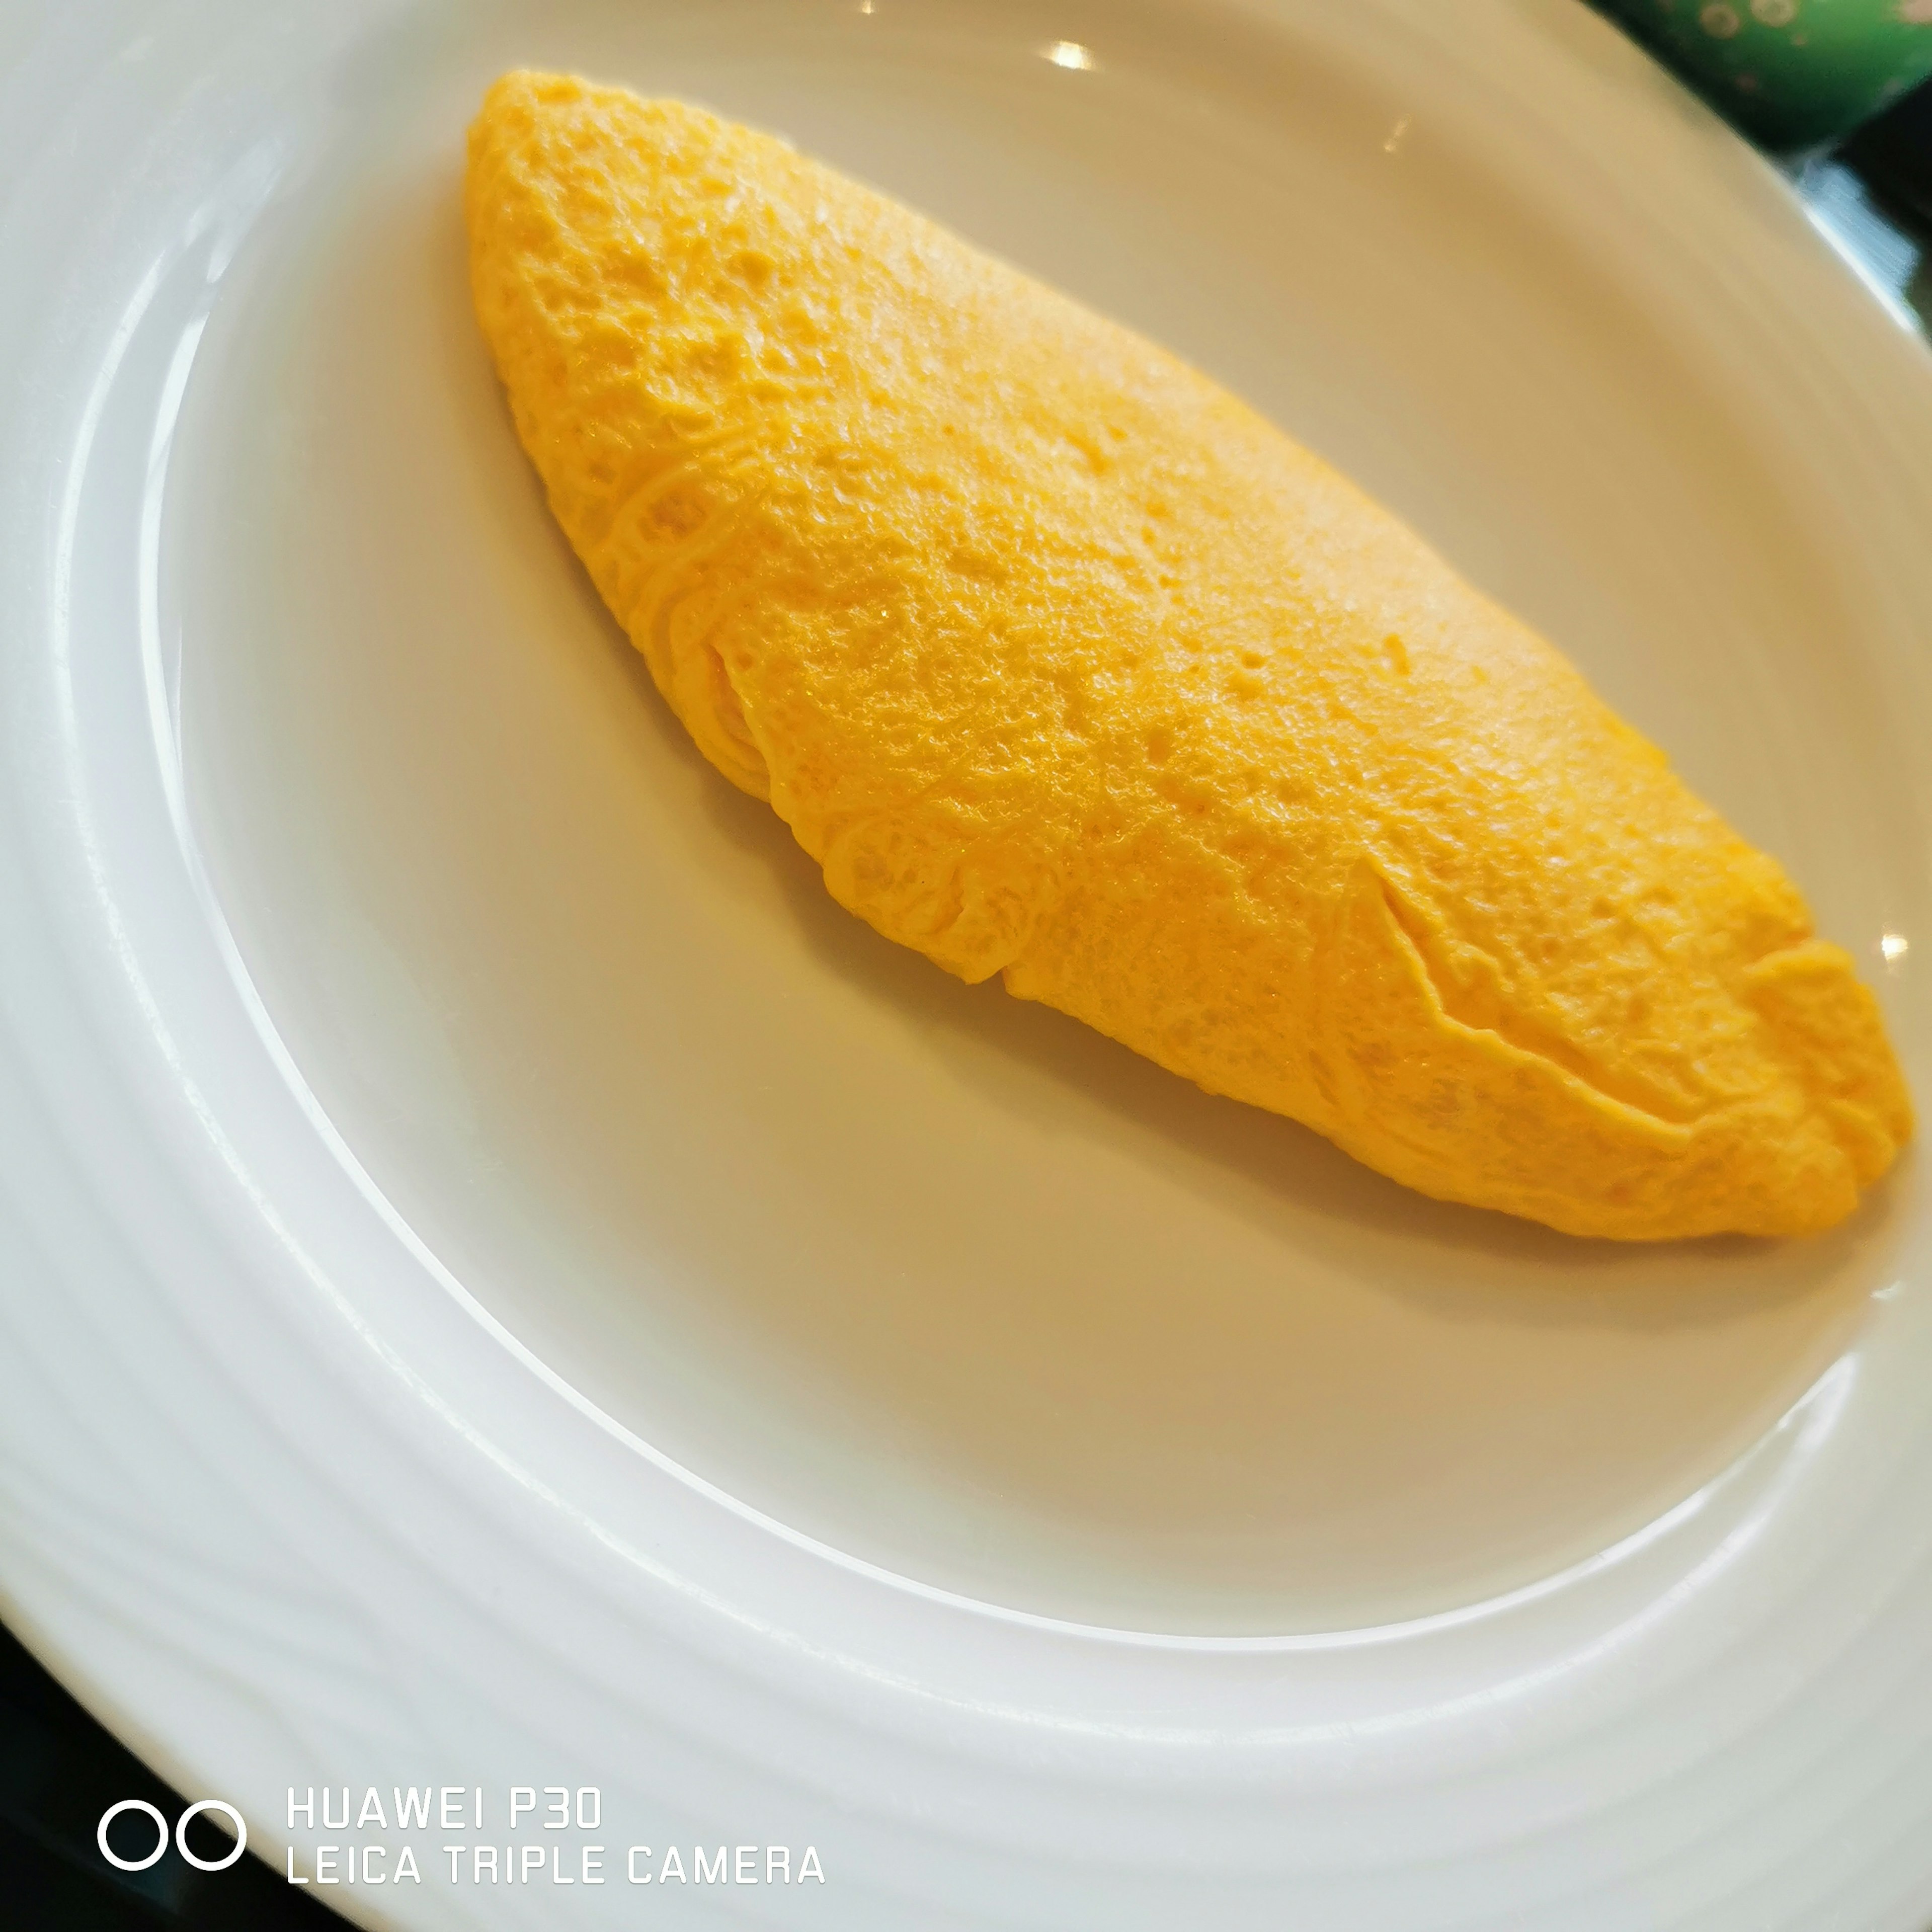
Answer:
(179, 1835)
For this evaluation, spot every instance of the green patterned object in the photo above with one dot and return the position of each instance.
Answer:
(1790, 73)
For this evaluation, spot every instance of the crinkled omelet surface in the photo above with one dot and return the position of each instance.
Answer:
(1065, 665)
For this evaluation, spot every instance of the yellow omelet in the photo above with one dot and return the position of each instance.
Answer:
(1065, 665)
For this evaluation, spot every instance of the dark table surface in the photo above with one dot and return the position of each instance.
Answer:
(59, 1771)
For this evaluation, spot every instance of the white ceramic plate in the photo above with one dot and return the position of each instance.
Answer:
(505, 1284)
